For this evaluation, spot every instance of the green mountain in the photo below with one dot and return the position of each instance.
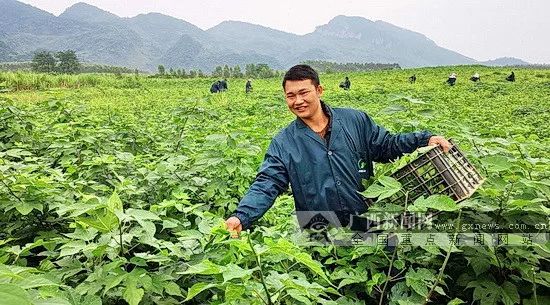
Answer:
(147, 40)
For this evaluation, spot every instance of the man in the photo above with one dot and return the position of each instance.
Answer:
(248, 86)
(215, 88)
(324, 154)
(511, 77)
(223, 84)
(412, 79)
(452, 79)
(346, 84)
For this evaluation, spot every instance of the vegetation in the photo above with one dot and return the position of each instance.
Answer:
(251, 71)
(114, 190)
(330, 67)
(65, 62)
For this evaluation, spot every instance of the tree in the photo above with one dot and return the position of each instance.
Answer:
(183, 73)
(68, 62)
(226, 72)
(200, 73)
(218, 72)
(192, 74)
(161, 69)
(43, 62)
(237, 72)
(250, 70)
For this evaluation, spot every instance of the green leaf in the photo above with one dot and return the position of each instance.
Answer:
(455, 301)
(72, 248)
(496, 163)
(114, 204)
(205, 267)
(172, 289)
(384, 188)
(133, 295)
(114, 281)
(510, 294)
(435, 202)
(24, 208)
(196, 289)
(104, 221)
(13, 295)
(298, 295)
(141, 215)
(351, 280)
(440, 290)
(35, 281)
(233, 271)
(234, 292)
(485, 291)
(52, 301)
(315, 266)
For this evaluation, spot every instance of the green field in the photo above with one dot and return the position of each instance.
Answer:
(114, 190)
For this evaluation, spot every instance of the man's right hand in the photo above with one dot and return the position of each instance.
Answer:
(234, 226)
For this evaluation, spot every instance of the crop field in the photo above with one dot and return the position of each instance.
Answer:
(114, 190)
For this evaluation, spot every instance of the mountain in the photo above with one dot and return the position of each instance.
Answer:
(147, 40)
(90, 13)
(505, 61)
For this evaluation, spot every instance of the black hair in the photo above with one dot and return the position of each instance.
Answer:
(302, 72)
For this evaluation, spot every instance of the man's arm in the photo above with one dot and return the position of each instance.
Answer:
(384, 146)
(271, 180)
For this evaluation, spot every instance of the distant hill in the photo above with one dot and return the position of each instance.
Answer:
(147, 40)
(505, 61)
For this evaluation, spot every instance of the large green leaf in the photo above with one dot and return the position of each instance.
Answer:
(510, 295)
(198, 288)
(205, 267)
(13, 295)
(234, 292)
(133, 295)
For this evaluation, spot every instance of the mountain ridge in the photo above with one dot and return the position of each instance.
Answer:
(150, 39)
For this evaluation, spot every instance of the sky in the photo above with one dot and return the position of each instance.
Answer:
(480, 29)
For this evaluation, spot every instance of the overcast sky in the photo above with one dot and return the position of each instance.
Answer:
(481, 29)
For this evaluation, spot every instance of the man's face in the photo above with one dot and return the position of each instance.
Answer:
(303, 98)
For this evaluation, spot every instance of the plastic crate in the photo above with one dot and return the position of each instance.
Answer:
(436, 172)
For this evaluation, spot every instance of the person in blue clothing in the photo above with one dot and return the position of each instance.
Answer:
(323, 154)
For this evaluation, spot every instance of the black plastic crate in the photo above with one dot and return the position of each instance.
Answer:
(436, 172)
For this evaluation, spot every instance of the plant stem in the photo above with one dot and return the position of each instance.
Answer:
(261, 271)
(388, 277)
(534, 286)
(120, 239)
(442, 270)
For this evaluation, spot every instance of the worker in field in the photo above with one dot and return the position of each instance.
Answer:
(475, 77)
(223, 84)
(452, 79)
(346, 84)
(215, 88)
(412, 79)
(248, 86)
(511, 77)
(323, 154)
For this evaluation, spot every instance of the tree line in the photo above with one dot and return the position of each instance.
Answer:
(225, 71)
(67, 62)
(330, 67)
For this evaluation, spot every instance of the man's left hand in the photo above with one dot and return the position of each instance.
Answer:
(441, 141)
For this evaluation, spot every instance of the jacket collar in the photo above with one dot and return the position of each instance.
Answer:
(326, 109)
(335, 126)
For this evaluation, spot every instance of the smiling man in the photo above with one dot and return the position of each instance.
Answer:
(323, 154)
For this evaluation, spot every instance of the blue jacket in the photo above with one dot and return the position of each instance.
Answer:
(324, 176)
